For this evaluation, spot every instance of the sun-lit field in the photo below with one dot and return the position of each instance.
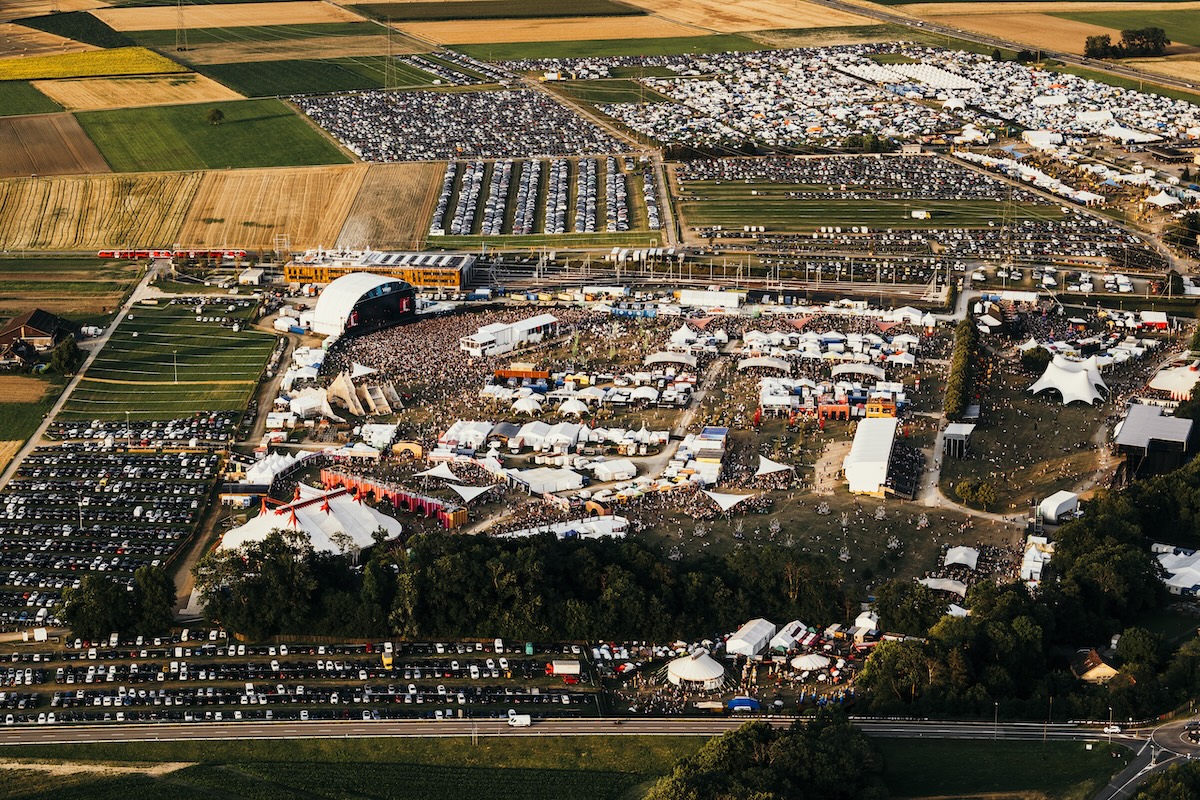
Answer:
(50, 144)
(91, 94)
(224, 15)
(751, 15)
(557, 29)
(19, 41)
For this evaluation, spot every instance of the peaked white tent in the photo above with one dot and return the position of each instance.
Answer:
(469, 493)
(727, 501)
(750, 639)
(1162, 200)
(810, 661)
(967, 556)
(768, 467)
(320, 514)
(698, 667)
(945, 585)
(1076, 381)
(442, 471)
(527, 405)
(573, 406)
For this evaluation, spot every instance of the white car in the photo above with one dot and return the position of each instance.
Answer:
(1112, 728)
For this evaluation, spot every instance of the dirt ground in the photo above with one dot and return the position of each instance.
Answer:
(18, 9)
(17, 41)
(92, 212)
(88, 94)
(75, 768)
(250, 206)
(561, 29)
(21, 389)
(750, 15)
(393, 207)
(48, 144)
(1038, 30)
(224, 15)
(1185, 67)
(317, 47)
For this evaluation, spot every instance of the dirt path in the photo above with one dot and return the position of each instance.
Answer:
(77, 767)
(829, 467)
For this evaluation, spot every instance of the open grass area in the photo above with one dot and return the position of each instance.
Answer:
(18, 97)
(619, 90)
(507, 51)
(941, 768)
(84, 290)
(494, 9)
(856, 34)
(1181, 26)
(19, 420)
(161, 363)
(270, 33)
(254, 133)
(80, 26)
(278, 78)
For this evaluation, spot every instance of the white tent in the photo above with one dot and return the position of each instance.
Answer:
(442, 470)
(727, 501)
(750, 639)
(527, 405)
(866, 465)
(697, 668)
(768, 467)
(1162, 200)
(1058, 505)
(967, 556)
(647, 393)
(945, 585)
(573, 407)
(789, 636)
(1178, 381)
(1076, 381)
(469, 493)
(320, 514)
(542, 480)
(765, 362)
(621, 469)
(810, 661)
(670, 358)
(684, 335)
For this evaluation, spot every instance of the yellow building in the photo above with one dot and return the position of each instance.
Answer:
(450, 271)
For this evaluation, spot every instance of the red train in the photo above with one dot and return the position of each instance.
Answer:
(172, 254)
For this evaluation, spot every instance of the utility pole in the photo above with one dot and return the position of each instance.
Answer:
(181, 42)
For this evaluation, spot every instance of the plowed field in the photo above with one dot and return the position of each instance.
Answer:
(393, 206)
(17, 41)
(50, 144)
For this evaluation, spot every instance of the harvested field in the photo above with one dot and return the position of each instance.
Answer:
(1037, 30)
(1187, 68)
(50, 144)
(674, 45)
(414, 10)
(90, 94)
(325, 47)
(393, 206)
(562, 29)
(749, 15)
(93, 212)
(93, 63)
(21, 389)
(8, 450)
(1037, 7)
(224, 15)
(829, 37)
(17, 41)
(16, 9)
(251, 206)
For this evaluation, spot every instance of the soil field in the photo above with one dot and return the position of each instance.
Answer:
(706, 43)
(750, 15)
(94, 63)
(1037, 30)
(19, 41)
(1182, 27)
(90, 94)
(232, 15)
(563, 29)
(493, 9)
(16, 9)
(249, 207)
(21, 389)
(1038, 7)
(19, 97)
(50, 144)
(83, 289)
(393, 206)
(93, 212)
(324, 47)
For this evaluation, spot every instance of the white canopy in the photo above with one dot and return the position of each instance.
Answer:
(320, 514)
(1074, 380)
(698, 667)
(573, 406)
(1057, 505)
(750, 639)
(967, 556)
(765, 362)
(767, 467)
(945, 585)
(469, 493)
(727, 501)
(1162, 200)
(442, 470)
(670, 358)
(648, 393)
(810, 661)
(527, 405)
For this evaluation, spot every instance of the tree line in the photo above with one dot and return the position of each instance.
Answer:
(101, 606)
(960, 385)
(1135, 43)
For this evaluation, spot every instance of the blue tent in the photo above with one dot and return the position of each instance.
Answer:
(744, 704)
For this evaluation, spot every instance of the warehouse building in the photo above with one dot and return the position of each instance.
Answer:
(447, 271)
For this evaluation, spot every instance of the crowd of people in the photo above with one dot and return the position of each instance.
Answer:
(425, 126)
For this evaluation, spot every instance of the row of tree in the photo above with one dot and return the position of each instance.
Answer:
(101, 606)
(446, 586)
(960, 384)
(1135, 43)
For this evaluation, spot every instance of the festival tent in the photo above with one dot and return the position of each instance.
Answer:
(696, 668)
(1177, 381)
(765, 362)
(356, 450)
(967, 556)
(1074, 380)
(647, 393)
(750, 639)
(727, 501)
(810, 661)
(320, 514)
(789, 636)
(945, 585)
(1162, 200)
(527, 405)
(621, 469)
(469, 493)
(670, 358)
(442, 471)
(591, 393)
(684, 335)
(574, 407)
(768, 467)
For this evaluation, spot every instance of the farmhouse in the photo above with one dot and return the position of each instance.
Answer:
(39, 328)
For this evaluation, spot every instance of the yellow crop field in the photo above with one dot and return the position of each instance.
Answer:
(224, 15)
(309, 48)
(17, 41)
(248, 207)
(750, 15)
(92, 212)
(90, 94)
(1035, 30)
(119, 61)
(558, 29)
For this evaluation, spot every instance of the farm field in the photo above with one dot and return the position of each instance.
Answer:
(254, 133)
(81, 289)
(393, 206)
(307, 48)
(277, 78)
(16, 9)
(27, 399)
(90, 94)
(165, 364)
(1036, 30)
(49, 144)
(19, 41)
(492, 9)
(1042, 6)
(79, 26)
(195, 36)
(20, 97)
(224, 15)
(247, 208)
(121, 61)
(92, 212)
(1187, 68)
(546, 30)
(750, 15)
(619, 90)
(1182, 27)
(718, 43)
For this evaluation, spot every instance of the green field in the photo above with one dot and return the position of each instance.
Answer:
(494, 9)
(80, 26)
(85, 290)
(255, 133)
(1125, 83)
(1181, 26)
(278, 78)
(618, 90)
(264, 33)
(161, 363)
(19, 97)
(716, 43)
(18, 421)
